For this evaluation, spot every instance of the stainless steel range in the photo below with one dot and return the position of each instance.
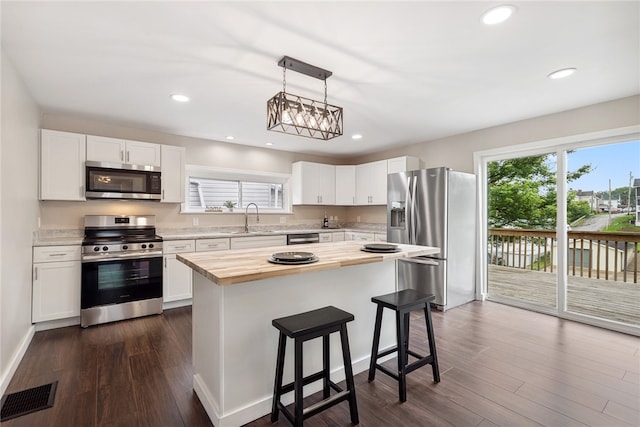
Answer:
(121, 268)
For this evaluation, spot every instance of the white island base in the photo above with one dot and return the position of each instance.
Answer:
(235, 345)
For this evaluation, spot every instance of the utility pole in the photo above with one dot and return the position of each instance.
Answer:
(609, 202)
(629, 194)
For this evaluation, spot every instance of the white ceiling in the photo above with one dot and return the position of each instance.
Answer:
(404, 72)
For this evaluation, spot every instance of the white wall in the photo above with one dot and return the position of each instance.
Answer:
(457, 151)
(18, 216)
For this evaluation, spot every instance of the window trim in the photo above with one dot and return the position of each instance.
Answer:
(213, 172)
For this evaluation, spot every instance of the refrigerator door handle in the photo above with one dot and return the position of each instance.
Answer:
(409, 209)
(424, 261)
(414, 208)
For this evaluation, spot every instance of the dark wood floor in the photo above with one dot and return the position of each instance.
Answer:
(499, 366)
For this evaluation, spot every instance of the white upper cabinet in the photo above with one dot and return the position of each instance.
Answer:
(403, 164)
(114, 150)
(371, 183)
(172, 167)
(143, 153)
(345, 185)
(62, 171)
(313, 183)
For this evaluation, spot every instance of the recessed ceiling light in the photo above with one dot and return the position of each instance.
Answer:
(498, 14)
(561, 74)
(180, 98)
(356, 136)
(268, 143)
(229, 137)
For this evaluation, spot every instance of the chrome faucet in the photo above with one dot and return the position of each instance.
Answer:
(246, 216)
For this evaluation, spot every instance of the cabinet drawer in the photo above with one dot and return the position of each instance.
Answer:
(326, 237)
(258, 242)
(178, 246)
(367, 237)
(56, 253)
(337, 236)
(211, 244)
(380, 237)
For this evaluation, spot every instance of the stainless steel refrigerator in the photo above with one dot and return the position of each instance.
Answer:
(435, 207)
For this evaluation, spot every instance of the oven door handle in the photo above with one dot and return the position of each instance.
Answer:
(113, 257)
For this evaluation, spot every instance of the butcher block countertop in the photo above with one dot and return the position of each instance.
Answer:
(245, 265)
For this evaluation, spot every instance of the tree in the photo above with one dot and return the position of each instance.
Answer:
(522, 192)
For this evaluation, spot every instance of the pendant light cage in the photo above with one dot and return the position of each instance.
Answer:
(298, 115)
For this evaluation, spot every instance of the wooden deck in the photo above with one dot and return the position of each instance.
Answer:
(606, 299)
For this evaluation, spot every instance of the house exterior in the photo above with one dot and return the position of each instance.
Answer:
(590, 197)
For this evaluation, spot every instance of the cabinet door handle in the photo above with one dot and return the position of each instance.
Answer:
(35, 273)
(58, 254)
(122, 155)
(127, 157)
(165, 262)
(162, 194)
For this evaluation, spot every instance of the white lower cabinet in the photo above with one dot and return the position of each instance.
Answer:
(56, 283)
(203, 245)
(326, 237)
(358, 235)
(176, 277)
(258, 241)
(380, 237)
(337, 236)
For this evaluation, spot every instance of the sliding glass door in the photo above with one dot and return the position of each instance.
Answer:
(562, 228)
(522, 198)
(603, 244)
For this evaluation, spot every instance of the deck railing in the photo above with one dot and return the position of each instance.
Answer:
(593, 254)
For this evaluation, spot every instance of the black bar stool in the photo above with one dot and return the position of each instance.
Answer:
(303, 327)
(403, 303)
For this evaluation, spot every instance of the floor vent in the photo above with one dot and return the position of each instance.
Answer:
(27, 401)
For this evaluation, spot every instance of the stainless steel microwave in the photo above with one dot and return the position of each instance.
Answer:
(122, 181)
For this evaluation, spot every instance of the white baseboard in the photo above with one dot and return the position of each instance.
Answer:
(54, 324)
(7, 375)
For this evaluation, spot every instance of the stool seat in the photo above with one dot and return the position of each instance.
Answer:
(315, 322)
(303, 327)
(404, 299)
(403, 303)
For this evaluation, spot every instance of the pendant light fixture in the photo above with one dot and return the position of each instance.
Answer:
(297, 115)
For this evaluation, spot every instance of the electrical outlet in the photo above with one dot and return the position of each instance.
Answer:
(283, 220)
(196, 220)
(358, 218)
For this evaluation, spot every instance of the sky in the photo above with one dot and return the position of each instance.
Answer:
(613, 161)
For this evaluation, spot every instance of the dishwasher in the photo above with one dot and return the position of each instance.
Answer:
(303, 238)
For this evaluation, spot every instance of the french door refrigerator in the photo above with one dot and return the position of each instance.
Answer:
(435, 207)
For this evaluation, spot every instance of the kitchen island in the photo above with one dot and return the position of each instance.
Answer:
(236, 295)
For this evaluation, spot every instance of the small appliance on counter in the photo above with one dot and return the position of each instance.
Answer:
(121, 268)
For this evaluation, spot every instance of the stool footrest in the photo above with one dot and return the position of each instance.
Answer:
(418, 364)
(317, 407)
(324, 404)
(387, 371)
(305, 381)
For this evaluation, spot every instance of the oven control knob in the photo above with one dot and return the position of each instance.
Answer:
(96, 249)
(150, 245)
(125, 247)
(105, 248)
(144, 246)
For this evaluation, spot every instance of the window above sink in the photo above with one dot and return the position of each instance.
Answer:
(225, 190)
